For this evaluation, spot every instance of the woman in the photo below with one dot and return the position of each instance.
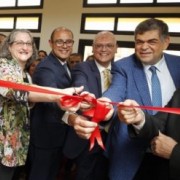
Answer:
(17, 49)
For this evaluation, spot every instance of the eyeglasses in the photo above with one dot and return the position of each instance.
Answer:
(101, 46)
(68, 42)
(21, 43)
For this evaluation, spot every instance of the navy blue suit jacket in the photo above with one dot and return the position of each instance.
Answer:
(47, 129)
(129, 82)
(86, 74)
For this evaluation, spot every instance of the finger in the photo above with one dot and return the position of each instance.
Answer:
(85, 105)
(77, 90)
(160, 134)
(153, 146)
(84, 136)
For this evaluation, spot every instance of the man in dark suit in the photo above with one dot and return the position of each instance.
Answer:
(163, 131)
(92, 165)
(48, 131)
(132, 80)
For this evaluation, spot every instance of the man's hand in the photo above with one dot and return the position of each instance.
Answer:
(108, 104)
(129, 114)
(70, 91)
(82, 125)
(163, 145)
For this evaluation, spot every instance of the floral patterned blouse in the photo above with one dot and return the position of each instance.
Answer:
(14, 121)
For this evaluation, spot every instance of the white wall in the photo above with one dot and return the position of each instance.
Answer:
(68, 13)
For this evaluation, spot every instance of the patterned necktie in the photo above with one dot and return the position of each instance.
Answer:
(156, 88)
(107, 78)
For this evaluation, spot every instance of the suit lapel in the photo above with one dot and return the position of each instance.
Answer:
(173, 69)
(58, 64)
(142, 85)
(96, 72)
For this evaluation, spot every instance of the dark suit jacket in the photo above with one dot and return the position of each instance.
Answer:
(168, 124)
(86, 74)
(129, 82)
(47, 129)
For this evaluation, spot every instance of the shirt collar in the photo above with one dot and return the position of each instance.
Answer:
(101, 68)
(158, 65)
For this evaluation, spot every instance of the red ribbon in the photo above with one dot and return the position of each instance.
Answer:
(160, 109)
(98, 109)
(97, 113)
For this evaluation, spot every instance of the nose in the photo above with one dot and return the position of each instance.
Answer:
(64, 44)
(144, 46)
(104, 47)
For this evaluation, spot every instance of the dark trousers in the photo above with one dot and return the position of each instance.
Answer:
(44, 163)
(153, 168)
(6, 173)
(92, 165)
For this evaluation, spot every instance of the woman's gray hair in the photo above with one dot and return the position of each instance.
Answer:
(4, 49)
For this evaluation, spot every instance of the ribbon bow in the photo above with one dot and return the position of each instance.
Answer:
(97, 113)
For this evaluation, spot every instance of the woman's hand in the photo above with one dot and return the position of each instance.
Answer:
(72, 107)
(72, 90)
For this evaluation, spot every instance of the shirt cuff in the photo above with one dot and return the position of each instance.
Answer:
(65, 117)
(138, 127)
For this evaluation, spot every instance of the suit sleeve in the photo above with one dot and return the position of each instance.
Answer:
(175, 163)
(116, 92)
(80, 77)
(45, 76)
(169, 125)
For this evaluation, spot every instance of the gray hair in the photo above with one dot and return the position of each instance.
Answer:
(4, 50)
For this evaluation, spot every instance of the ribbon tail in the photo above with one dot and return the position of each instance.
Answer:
(92, 140)
(96, 135)
(99, 139)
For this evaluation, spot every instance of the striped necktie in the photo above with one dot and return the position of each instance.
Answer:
(107, 78)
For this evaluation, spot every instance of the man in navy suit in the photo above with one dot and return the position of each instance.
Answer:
(48, 131)
(131, 80)
(92, 165)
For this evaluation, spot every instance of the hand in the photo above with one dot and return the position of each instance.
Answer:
(87, 103)
(107, 101)
(163, 145)
(72, 90)
(129, 114)
(82, 126)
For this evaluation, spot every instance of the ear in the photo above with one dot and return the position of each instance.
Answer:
(166, 43)
(9, 48)
(50, 43)
(116, 48)
(93, 48)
